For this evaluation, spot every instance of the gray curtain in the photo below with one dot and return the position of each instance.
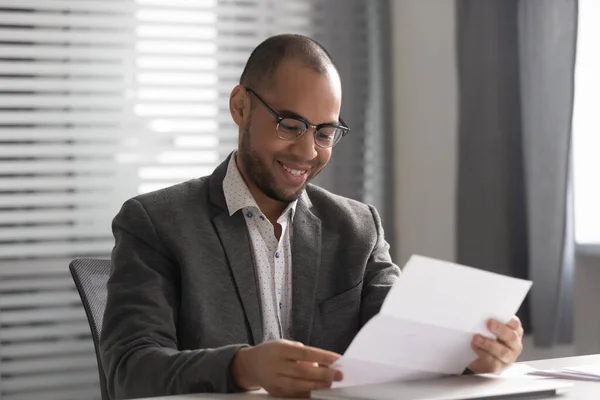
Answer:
(516, 67)
(357, 33)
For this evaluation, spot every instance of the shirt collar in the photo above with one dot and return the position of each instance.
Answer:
(238, 196)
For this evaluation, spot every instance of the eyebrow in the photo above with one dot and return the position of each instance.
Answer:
(291, 113)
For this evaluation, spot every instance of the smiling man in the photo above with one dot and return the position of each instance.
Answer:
(252, 277)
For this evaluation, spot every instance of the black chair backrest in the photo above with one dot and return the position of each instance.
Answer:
(91, 276)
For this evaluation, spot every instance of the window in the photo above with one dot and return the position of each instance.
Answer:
(586, 125)
(100, 101)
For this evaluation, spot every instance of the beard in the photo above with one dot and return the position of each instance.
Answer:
(261, 174)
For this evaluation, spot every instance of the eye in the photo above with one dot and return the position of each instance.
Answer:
(326, 134)
(292, 126)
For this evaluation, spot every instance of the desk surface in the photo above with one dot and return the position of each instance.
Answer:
(582, 390)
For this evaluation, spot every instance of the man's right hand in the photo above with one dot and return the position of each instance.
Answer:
(284, 368)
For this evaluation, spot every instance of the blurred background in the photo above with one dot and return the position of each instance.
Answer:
(475, 132)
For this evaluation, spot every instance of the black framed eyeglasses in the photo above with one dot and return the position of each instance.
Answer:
(292, 127)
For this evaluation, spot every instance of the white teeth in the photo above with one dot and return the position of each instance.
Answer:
(294, 172)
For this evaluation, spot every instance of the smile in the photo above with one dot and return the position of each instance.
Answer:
(293, 174)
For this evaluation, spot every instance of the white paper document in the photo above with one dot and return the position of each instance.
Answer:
(425, 326)
(584, 372)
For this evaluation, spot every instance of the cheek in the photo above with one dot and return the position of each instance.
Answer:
(263, 136)
(324, 155)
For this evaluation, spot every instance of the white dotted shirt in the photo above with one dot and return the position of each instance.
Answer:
(272, 258)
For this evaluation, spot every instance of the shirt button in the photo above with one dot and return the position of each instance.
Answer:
(277, 255)
(249, 214)
(262, 218)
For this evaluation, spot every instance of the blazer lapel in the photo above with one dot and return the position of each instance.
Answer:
(234, 237)
(306, 260)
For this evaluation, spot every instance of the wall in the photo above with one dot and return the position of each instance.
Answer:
(425, 118)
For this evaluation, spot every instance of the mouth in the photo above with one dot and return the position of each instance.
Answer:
(293, 174)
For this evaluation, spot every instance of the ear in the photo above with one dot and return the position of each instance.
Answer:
(239, 105)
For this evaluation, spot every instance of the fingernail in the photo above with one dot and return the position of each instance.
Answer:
(338, 376)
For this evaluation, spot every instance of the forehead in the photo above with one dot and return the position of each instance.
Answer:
(317, 96)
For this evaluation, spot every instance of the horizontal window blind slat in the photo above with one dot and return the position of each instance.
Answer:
(129, 6)
(45, 315)
(87, 102)
(96, 117)
(116, 68)
(57, 117)
(46, 84)
(92, 249)
(44, 299)
(107, 152)
(46, 36)
(227, 22)
(54, 364)
(45, 348)
(88, 393)
(78, 5)
(45, 381)
(53, 233)
(90, 85)
(44, 283)
(89, 134)
(45, 331)
(52, 183)
(60, 166)
(66, 52)
(43, 199)
(74, 102)
(116, 39)
(41, 215)
(31, 268)
(69, 20)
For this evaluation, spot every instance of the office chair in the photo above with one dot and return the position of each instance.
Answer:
(90, 277)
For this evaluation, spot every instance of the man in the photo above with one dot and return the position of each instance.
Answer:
(251, 278)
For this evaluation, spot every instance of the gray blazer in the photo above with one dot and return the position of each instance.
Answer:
(182, 296)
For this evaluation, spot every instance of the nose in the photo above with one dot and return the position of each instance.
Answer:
(305, 147)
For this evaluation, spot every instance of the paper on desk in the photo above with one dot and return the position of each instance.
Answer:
(427, 322)
(584, 372)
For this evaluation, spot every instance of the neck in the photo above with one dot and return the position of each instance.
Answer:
(270, 207)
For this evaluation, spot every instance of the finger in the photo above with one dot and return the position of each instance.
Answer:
(515, 323)
(494, 348)
(310, 372)
(311, 354)
(505, 334)
(485, 363)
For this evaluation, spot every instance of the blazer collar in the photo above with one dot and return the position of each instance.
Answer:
(306, 259)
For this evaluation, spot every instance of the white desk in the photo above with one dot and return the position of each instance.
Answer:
(582, 390)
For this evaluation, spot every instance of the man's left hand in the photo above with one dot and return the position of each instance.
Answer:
(495, 355)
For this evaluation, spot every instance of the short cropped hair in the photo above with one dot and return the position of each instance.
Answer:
(267, 56)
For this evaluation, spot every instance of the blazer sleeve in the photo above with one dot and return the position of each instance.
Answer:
(138, 343)
(380, 274)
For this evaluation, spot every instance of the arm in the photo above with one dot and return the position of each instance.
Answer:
(380, 274)
(138, 343)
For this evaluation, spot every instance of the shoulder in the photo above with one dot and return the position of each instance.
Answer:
(339, 210)
(179, 195)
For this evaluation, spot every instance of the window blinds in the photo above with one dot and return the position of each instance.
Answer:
(102, 100)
